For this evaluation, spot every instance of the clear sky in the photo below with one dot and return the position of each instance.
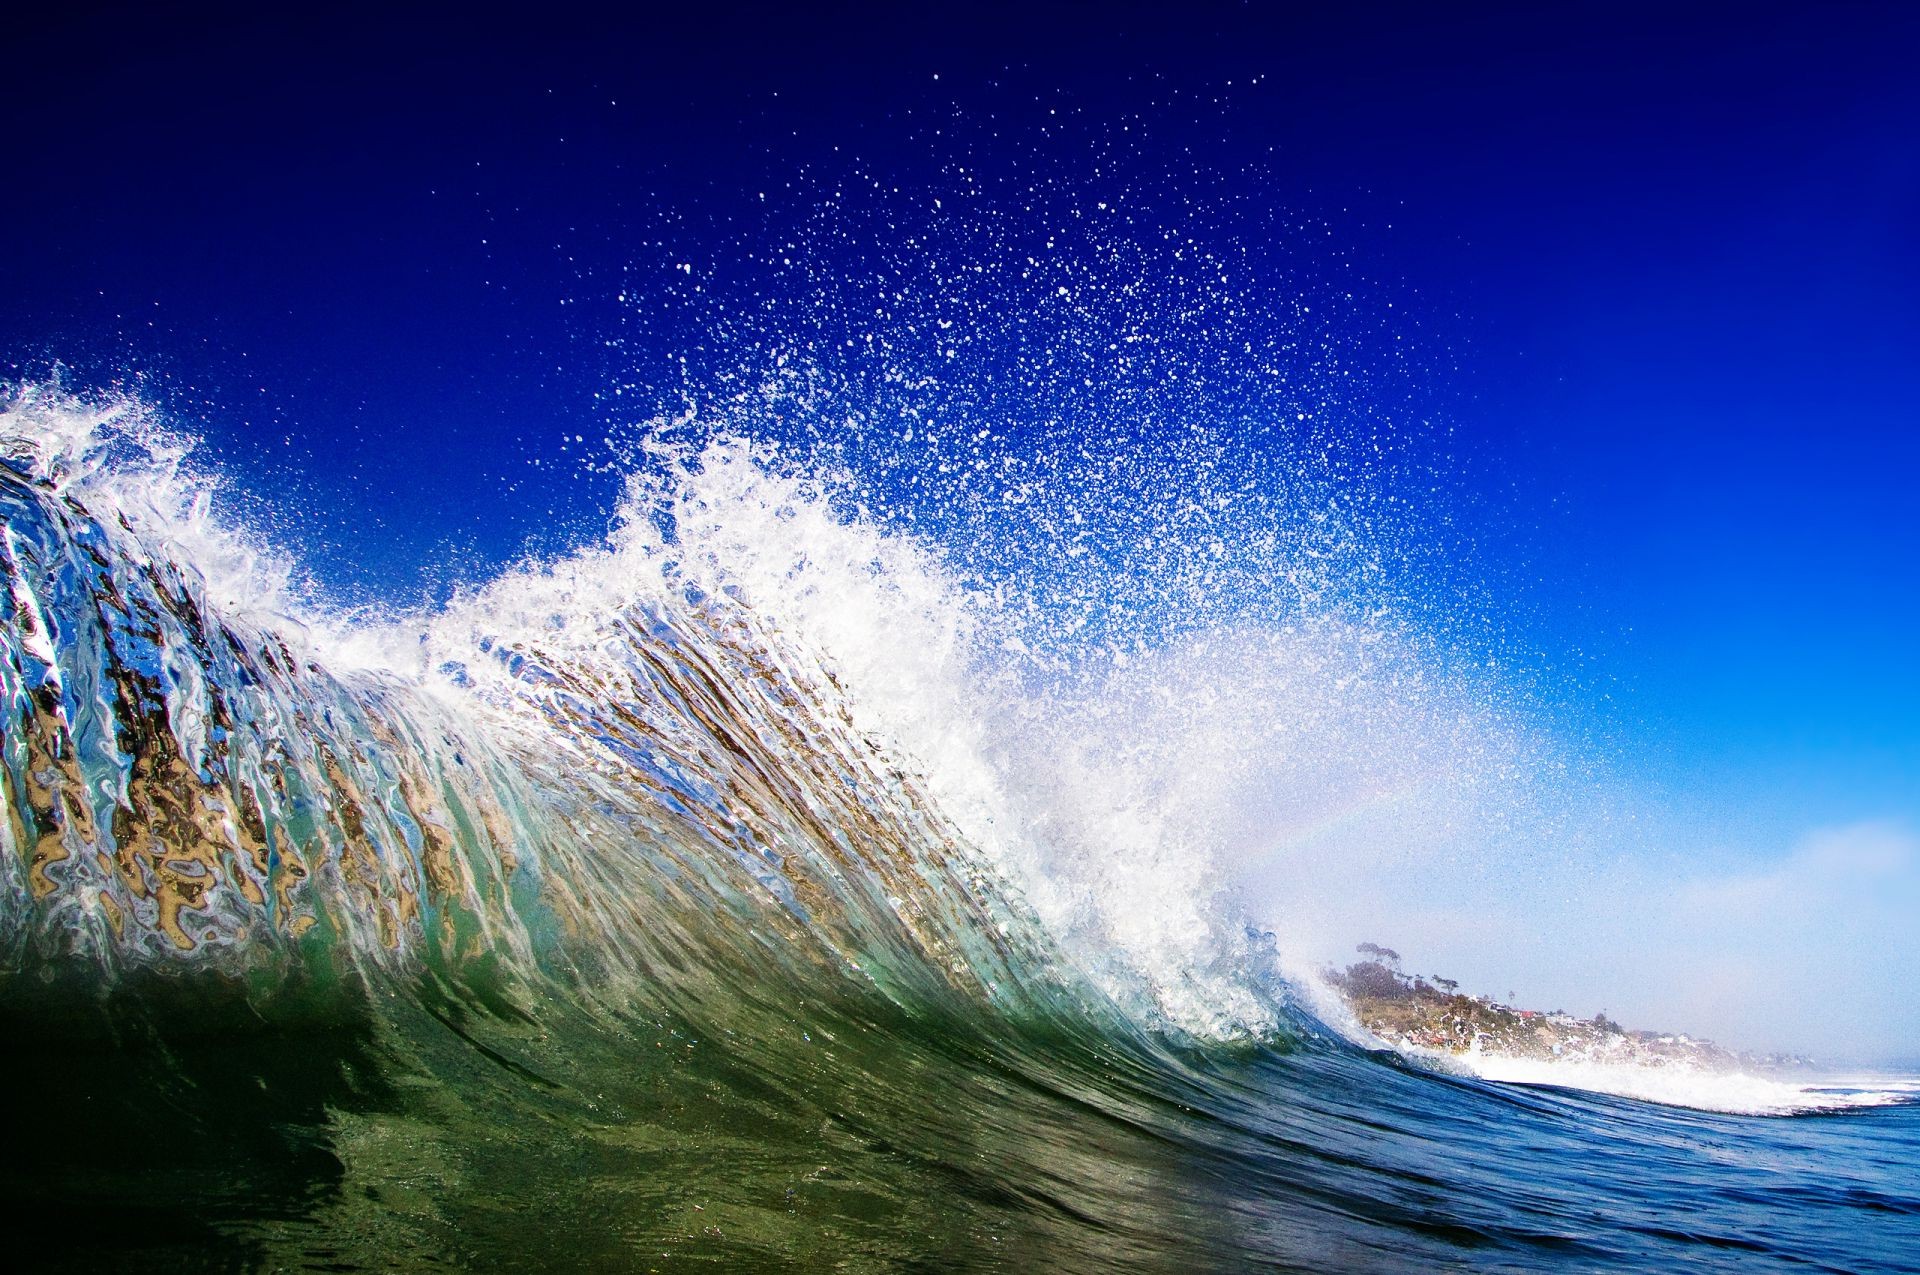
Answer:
(1668, 255)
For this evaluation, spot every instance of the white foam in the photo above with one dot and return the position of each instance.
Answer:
(115, 455)
(1704, 1089)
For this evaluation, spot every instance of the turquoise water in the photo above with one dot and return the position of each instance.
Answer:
(655, 909)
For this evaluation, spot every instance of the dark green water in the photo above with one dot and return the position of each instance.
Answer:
(421, 1127)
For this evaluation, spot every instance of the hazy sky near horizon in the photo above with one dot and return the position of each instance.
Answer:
(1664, 263)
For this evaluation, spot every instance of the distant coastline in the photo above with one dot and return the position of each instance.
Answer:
(1431, 1014)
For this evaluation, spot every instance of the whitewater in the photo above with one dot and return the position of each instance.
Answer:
(764, 887)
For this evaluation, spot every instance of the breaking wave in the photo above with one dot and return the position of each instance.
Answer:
(768, 860)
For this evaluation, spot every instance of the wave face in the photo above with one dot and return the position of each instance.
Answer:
(568, 783)
(757, 888)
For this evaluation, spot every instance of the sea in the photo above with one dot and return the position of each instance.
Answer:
(755, 888)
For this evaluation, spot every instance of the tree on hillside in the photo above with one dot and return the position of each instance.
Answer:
(1384, 955)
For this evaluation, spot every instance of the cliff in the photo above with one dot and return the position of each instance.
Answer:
(1414, 1011)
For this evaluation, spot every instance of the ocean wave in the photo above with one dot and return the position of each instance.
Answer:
(757, 886)
(746, 704)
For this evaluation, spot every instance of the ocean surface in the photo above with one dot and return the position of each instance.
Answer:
(716, 897)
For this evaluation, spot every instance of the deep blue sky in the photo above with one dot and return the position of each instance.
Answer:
(1673, 253)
